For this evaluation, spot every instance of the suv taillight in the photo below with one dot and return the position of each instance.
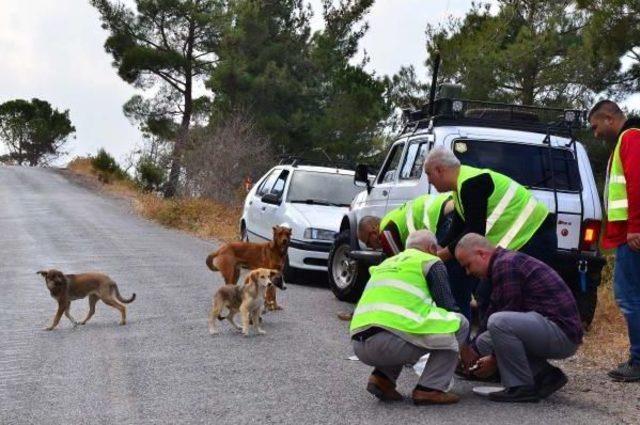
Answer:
(590, 235)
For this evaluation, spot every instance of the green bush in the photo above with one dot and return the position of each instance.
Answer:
(149, 175)
(107, 167)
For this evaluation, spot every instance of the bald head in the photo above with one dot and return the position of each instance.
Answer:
(442, 168)
(422, 240)
(606, 120)
(474, 253)
(369, 230)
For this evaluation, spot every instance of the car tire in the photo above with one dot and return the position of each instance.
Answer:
(244, 234)
(290, 274)
(347, 277)
(587, 302)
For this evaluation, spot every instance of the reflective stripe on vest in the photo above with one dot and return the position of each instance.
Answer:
(513, 213)
(615, 189)
(397, 297)
(420, 213)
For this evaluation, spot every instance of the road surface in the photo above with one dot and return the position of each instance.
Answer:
(163, 367)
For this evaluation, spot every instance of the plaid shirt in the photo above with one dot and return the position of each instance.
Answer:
(522, 283)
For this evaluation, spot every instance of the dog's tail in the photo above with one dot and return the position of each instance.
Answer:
(210, 261)
(119, 297)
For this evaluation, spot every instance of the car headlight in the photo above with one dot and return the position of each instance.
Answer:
(319, 234)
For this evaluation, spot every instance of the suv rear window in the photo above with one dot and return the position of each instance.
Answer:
(526, 164)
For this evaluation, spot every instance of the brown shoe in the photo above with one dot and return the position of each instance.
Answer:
(345, 316)
(382, 388)
(433, 397)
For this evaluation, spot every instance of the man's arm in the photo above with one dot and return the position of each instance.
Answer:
(474, 195)
(630, 155)
(438, 281)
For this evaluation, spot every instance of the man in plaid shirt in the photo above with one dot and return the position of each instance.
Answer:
(530, 316)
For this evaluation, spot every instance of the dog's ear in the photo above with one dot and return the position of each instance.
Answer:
(42, 273)
(254, 277)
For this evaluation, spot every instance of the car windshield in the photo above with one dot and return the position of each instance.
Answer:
(318, 188)
(529, 165)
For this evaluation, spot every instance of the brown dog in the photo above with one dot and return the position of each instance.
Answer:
(247, 299)
(230, 257)
(68, 287)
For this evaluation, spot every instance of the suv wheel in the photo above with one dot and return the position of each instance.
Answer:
(347, 278)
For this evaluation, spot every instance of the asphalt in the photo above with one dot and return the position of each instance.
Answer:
(163, 367)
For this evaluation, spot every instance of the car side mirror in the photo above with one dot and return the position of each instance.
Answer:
(271, 198)
(361, 177)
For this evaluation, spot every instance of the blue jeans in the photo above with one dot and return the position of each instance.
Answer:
(626, 287)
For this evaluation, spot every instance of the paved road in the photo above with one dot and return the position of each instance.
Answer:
(163, 367)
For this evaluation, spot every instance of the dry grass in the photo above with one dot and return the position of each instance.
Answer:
(606, 342)
(198, 216)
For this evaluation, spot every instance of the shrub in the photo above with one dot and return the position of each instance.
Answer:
(107, 167)
(149, 175)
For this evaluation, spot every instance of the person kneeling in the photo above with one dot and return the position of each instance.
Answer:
(530, 316)
(405, 312)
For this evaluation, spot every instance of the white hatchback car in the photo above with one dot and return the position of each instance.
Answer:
(309, 199)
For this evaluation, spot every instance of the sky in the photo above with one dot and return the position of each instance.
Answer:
(53, 50)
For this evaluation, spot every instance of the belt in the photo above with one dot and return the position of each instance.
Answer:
(362, 336)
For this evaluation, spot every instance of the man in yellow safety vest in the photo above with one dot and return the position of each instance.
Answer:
(404, 313)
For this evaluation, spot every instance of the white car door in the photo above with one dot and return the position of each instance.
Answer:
(412, 181)
(272, 206)
(379, 196)
(255, 227)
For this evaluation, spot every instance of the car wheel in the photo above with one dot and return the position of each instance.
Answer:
(290, 274)
(244, 234)
(347, 278)
(587, 302)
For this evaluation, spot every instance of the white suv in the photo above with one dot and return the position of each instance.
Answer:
(309, 199)
(534, 146)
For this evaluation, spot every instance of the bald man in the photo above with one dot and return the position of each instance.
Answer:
(531, 316)
(622, 229)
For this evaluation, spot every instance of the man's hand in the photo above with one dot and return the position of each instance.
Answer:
(633, 240)
(485, 367)
(468, 356)
(444, 254)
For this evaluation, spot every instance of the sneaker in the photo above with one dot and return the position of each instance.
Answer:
(626, 372)
(520, 394)
(550, 381)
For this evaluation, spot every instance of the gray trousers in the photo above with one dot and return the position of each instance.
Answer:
(388, 353)
(522, 343)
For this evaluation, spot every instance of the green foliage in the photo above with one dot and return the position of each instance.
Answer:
(149, 175)
(302, 89)
(33, 131)
(166, 45)
(107, 167)
(530, 52)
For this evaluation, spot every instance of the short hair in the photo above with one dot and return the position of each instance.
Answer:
(472, 241)
(366, 222)
(421, 239)
(607, 106)
(441, 156)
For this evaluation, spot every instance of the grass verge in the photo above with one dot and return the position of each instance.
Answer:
(198, 216)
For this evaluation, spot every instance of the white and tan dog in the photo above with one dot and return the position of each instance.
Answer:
(248, 299)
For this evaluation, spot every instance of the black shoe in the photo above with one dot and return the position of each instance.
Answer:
(550, 381)
(520, 394)
(626, 372)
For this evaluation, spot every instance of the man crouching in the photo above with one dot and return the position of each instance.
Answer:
(405, 312)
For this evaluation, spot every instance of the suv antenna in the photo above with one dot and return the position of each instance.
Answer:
(434, 82)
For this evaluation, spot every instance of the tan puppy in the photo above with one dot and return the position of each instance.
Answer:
(68, 287)
(230, 257)
(247, 299)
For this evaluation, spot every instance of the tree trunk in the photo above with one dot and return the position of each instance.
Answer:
(181, 139)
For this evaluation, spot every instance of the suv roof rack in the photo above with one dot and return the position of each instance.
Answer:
(294, 161)
(454, 111)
